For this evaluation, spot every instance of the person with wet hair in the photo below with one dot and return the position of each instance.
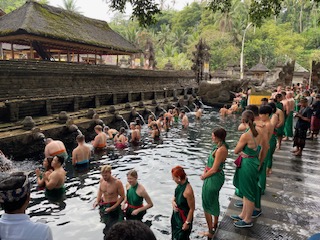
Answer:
(183, 204)
(184, 119)
(111, 132)
(282, 118)
(14, 199)
(120, 140)
(54, 182)
(133, 230)
(82, 153)
(55, 148)
(224, 110)
(176, 114)
(302, 126)
(47, 168)
(151, 121)
(109, 197)
(135, 135)
(288, 125)
(155, 132)
(100, 141)
(213, 180)
(133, 202)
(252, 151)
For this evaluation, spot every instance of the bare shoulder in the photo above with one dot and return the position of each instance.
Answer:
(189, 190)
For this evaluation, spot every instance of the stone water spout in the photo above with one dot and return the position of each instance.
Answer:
(119, 117)
(148, 111)
(5, 163)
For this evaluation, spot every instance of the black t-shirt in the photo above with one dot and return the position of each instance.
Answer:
(302, 124)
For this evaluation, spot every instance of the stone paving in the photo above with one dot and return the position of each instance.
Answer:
(291, 204)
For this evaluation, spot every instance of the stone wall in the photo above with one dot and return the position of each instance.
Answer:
(39, 88)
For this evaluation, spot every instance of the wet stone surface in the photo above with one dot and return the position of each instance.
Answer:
(290, 206)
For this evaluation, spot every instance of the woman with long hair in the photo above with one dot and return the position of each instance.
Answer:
(47, 168)
(213, 179)
(246, 176)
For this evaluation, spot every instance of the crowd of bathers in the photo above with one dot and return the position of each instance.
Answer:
(264, 128)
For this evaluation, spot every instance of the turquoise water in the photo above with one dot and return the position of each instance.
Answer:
(74, 218)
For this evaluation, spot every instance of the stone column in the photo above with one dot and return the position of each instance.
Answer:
(76, 104)
(142, 96)
(130, 97)
(96, 101)
(13, 111)
(48, 107)
(115, 101)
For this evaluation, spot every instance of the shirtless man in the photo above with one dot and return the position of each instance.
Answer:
(151, 121)
(184, 119)
(160, 122)
(82, 153)
(55, 148)
(100, 141)
(135, 134)
(110, 196)
(111, 132)
(198, 113)
(54, 181)
(224, 110)
(289, 108)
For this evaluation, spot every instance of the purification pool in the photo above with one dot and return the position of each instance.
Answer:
(74, 218)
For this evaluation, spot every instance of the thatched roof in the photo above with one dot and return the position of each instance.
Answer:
(259, 68)
(57, 28)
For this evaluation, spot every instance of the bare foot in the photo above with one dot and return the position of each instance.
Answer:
(294, 150)
(269, 171)
(298, 154)
(207, 234)
(285, 139)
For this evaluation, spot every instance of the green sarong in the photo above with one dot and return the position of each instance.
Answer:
(110, 218)
(178, 218)
(134, 202)
(211, 188)
(288, 125)
(56, 194)
(246, 177)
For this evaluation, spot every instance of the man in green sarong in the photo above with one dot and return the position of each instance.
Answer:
(288, 125)
(109, 197)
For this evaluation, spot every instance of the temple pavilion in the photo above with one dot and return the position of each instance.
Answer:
(43, 32)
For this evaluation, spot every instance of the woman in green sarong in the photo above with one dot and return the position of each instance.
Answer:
(133, 207)
(246, 176)
(183, 205)
(213, 177)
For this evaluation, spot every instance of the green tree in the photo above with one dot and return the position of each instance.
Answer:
(71, 5)
(10, 5)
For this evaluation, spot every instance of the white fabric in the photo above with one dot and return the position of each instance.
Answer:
(20, 227)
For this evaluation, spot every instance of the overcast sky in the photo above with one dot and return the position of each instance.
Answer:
(98, 9)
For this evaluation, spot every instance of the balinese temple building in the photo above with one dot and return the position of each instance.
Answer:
(42, 32)
(258, 72)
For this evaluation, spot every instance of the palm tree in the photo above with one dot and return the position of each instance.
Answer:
(70, 5)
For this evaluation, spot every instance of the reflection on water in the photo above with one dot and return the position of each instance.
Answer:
(74, 218)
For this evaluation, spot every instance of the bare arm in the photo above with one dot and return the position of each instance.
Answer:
(46, 152)
(281, 118)
(189, 195)
(52, 182)
(242, 142)
(146, 196)
(74, 157)
(99, 194)
(220, 156)
(242, 127)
